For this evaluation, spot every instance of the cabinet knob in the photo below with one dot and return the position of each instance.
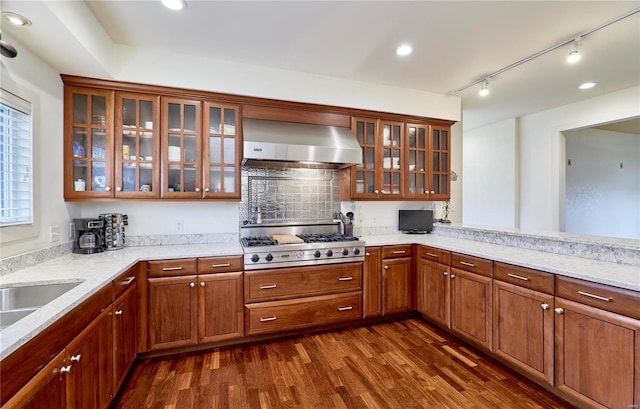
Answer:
(108, 188)
(197, 189)
(376, 191)
(206, 189)
(444, 273)
(453, 276)
(433, 192)
(76, 358)
(65, 369)
(367, 254)
(386, 267)
(192, 285)
(559, 310)
(202, 284)
(118, 189)
(119, 312)
(545, 306)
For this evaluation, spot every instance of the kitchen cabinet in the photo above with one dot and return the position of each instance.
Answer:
(397, 279)
(597, 349)
(137, 145)
(220, 306)
(47, 389)
(125, 324)
(371, 282)
(471, 303)
(523, 306)
(440, 169)
(89, 366)
(433, 300)
(88, 145)
(365, 182)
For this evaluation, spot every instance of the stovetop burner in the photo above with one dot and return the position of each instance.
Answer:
(325, 237)
(257, 241)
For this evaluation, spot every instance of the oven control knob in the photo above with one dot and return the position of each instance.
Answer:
(345, 252)
(329, 253)
(269, 257)
(356, 251)
(316, 253)
(255, 258)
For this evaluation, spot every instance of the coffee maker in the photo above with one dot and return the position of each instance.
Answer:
(89, 236)
(114, 230)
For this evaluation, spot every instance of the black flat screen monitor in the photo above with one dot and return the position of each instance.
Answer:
(415, 221)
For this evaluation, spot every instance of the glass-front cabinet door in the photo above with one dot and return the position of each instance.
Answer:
(364, 180)
(88, 143)
(417, 162)
(222, 151)
(440, 142)
(181, 148)
(137, 147)
(392, 142)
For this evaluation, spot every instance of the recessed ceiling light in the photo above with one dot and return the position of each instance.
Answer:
(16, 19)
(587, 85)
(404, 49)
(174, 4)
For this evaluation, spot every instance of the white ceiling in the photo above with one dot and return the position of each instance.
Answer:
(454, 42)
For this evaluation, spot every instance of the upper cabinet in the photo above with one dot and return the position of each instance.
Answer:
(401, 161)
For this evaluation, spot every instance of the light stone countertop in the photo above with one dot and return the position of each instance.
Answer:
(97, 270)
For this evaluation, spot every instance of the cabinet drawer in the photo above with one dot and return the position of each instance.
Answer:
(220, 264)
(124, 281)
(618, 300)
(397, 251)
(276, 316)
(524, 277)
(437, 255)
(268, 285)
(473, 264)
(179, 267)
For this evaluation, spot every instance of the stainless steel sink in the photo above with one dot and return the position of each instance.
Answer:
(18, 302)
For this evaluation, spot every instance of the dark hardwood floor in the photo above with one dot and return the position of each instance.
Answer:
(403, 364)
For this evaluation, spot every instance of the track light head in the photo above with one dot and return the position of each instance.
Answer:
(574, 54)
(484, 90)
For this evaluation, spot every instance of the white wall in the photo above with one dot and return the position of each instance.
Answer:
(33, 79)
(490, 167)
(602, 198)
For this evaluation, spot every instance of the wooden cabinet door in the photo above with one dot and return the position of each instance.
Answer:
(471, 307)
(173, 312)
(391, 175)
(364, 179)
(181, 140)
(90, 357)
(396, 285)
(45, 390)
(137, 145)
(125, 324)
(433, 292)
(372, 282)
(416, 164)
(222, 151)
(597, 355)
(440, 170)
(221, 306)
(88, 143)
(523, 329)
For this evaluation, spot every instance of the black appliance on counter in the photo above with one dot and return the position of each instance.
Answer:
(415, 221)
(114, 230)
(89, 236)
(302, 244)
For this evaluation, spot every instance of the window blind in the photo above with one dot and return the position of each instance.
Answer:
(16, 160)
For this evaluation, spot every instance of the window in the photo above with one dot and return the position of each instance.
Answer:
(16, 160)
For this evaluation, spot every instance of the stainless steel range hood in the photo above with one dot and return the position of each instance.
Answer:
(278, 143)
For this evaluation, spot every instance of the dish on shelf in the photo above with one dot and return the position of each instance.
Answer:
(78, 150)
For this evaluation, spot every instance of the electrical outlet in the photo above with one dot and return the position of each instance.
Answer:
(54, 234)
(179, 226)
(72, 231)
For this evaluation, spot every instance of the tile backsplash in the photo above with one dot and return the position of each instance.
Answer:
(289, 194)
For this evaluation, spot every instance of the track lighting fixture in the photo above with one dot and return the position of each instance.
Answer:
(574, 54)
(484, 90)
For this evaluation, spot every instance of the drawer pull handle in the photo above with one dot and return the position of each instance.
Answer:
(597, 297)
(171, 268)
(118, 312)
(347, 308)
(220, 265)
(129, 280)
(76, 358)
(345, 278)
(559, 310)
(432, 255)
(267, 286)
(399, 252)
(267, 319)
(464, 263)
(518, 277)
(545, 306)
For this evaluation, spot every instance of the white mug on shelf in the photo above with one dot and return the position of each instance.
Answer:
(79, 185)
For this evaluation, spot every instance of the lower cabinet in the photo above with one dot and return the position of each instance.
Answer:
(371, 282)
(89, 365)
(45, 390)
(396, 285)
(433, 292)
(220, 306)
(471, 307)
(125, 325)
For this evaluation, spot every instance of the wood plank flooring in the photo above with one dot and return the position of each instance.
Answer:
(405, 364)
